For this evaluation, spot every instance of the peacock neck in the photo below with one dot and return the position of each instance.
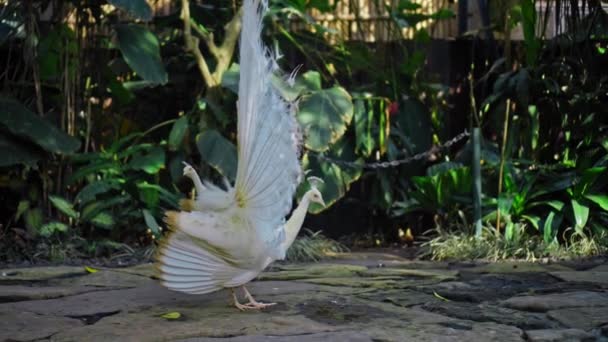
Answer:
(198, 184)
(294, 224)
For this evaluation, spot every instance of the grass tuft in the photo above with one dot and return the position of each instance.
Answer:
(313, 246)
(493, 247)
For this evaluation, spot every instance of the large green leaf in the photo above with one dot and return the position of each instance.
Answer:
(91, 190)
(33, 220)
(601, 200)
(581, 214)
(103, 220)
(218, 152)
(141, 51)
(337, 179)
(137, 8)
(64, 206)
(13, 152)
(551, 226)
(363, 124)
(150, 162)
(177, 133)
(151, 222)
(52, 228)
(22, 122)
(324, 116)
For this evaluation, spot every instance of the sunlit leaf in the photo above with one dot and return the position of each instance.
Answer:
(581, 214)
(150, 162)
(171, 315)
(601, 200)
(89, 269)
(103, 220)
(52, 228)
(324, 116)
(64, 206)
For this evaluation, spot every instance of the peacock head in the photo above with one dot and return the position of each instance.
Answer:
(189, 171)
(314, 195)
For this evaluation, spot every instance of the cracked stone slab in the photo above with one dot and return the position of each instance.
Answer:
(485, 287)
(297, 272)
(593, 277)
(28, 326)
(556, 335)
(518, 267)
(543, 303)
(213, 322)
(490, 313)
(17, 293)
(587, 318)
(453, 331)
(338, 336)
(399, 297)
(31, 274)
(107, 278)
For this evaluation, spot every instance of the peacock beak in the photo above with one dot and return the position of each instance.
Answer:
(321, 202)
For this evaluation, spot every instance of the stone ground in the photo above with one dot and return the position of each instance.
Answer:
(356, 297)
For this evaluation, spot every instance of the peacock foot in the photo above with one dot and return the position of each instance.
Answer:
(254, 304)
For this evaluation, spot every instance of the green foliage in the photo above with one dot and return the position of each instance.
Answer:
(19, 124)
(324, 115)
(119, 182)
(141, 51)
(137, 8)
(218, 152)
(441, 192)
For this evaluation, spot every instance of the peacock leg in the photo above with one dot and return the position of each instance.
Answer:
(253, 304)
(235, 302)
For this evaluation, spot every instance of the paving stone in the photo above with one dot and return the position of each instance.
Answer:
(340, 300)
(594, 277)
(584, 318)
(338, 336)
(17, 293)
(543, 303)
(195, 323)
(29, 274)
(518, 267)
(490, 313)
(28, 326)
(558, 335)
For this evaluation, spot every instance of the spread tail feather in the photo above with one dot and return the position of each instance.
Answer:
(186, 204)
(186, 267)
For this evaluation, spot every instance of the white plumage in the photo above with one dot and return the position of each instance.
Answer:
(225, 238)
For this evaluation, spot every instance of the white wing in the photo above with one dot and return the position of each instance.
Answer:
(268, 138)
(228, 238)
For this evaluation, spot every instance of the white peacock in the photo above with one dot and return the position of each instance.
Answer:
(225, 238)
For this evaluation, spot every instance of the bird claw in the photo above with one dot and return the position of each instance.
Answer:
(252, 305)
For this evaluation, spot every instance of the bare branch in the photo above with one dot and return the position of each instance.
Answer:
(192, 46)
